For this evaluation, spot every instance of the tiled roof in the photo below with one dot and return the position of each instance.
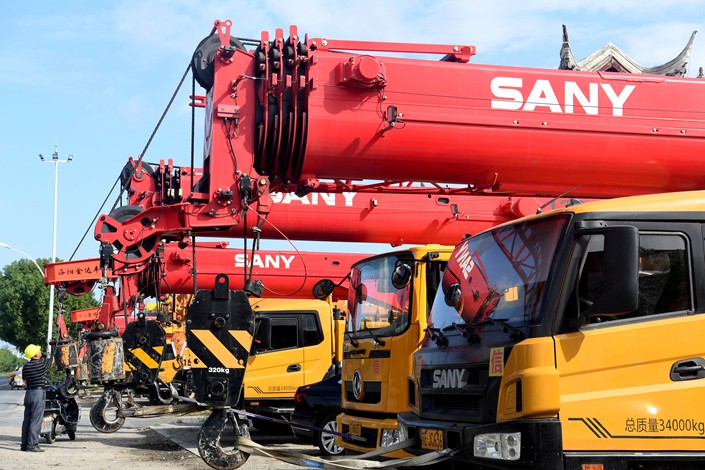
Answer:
(611, 58)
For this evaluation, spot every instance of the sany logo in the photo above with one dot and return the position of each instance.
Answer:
(266, 261)
(464, 259)
(510, 90)
(450, 378)
(313, 198)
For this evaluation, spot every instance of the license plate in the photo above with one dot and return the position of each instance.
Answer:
(355, 429)
(47, 424)
(431, 439)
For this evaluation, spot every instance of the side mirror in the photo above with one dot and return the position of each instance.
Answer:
(452, 296)
(401, 276)
(323, 288)
(361, 293)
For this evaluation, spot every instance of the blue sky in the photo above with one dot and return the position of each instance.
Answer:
(94, 78)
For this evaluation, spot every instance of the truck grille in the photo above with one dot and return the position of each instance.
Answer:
(466, 393)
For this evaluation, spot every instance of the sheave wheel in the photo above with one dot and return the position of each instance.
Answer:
(325, 441)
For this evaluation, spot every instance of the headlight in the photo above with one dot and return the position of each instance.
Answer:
(389, 437)
(499, 446)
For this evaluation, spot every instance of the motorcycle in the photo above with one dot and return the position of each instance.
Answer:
(61, 415)
(16, 382)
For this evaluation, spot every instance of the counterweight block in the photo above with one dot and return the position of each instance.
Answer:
(219, 329)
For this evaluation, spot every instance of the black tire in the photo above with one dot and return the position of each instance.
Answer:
(72, 435)
(324, 441)
(105, 417)
(51, 435)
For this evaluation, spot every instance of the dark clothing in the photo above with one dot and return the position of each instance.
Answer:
(34, 373)
(34, 402)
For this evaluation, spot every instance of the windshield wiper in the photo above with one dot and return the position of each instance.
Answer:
(352, 339)
(438, 336)
(377, 339)
(515, 334)
(465, 330)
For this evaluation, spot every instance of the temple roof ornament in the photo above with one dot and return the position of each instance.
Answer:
(610, 58)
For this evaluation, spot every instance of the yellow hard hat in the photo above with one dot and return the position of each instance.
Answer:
(31, 351)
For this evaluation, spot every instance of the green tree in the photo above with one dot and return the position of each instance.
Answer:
(24, 304)
(8, 361)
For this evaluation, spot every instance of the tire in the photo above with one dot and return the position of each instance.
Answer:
(72, 435)
(324, 441)
(51, 436)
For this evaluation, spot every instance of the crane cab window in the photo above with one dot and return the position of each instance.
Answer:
(312, 331)
(285, 330)
(285, 333)
(664, 276)
(275, 333)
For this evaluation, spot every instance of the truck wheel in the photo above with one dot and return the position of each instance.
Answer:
(325, 441)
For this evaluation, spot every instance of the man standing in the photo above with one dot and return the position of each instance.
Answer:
(34, 374)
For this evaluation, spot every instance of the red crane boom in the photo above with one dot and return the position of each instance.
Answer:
(296, 110)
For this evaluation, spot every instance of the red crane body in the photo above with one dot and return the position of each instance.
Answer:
(290, 274)
(519, 130)
(296, 110)
(372, 214)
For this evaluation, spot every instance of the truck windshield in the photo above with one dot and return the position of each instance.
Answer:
(376, 306)
(499, 275)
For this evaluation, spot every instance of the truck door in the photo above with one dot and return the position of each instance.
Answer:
(630, 382)
(317, 347)
(275, 370)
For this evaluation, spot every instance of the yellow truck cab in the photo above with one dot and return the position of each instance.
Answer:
(389, 302)
(571, 340)
(297, 342)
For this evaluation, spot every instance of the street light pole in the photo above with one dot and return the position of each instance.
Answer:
(55, 160)
(41, 271)
(5, 245)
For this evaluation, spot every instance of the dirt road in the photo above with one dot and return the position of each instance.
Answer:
(142, 444)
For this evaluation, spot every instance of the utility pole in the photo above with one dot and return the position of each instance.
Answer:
(55, 160)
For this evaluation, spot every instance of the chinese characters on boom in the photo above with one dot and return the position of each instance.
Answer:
(78, 271)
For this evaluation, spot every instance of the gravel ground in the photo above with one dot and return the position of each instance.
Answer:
(163, 443)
